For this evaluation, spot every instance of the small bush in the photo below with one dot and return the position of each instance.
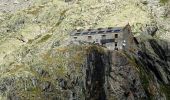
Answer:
(45, 38)
(166, 89)
(164, 1)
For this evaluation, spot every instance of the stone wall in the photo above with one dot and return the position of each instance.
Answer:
(117, 38)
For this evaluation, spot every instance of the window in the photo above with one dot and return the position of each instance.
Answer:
(116, 35)
(89, 29)
(110, 27)
(77, 33)
(99, 28)
(75, 38)
(79, 30)
(116, 48)
(89, 37)
(97, 40)
(103, 36)
(115, 44)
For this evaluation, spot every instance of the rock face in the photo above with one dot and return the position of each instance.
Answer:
(91, 73)
(130, 75)
(153, 58)
(151, 30)
(10, 6)
(124, 81)
(156, 60)
(95, 76)
(56, 77)
(112, 76)
(159, 10)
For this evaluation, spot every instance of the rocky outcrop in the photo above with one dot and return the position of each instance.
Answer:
(11, 6)
(95, 76)
(111, 76)
(90, 73)
(159, 11)
(154, 56)
(56, 77)
(153, 61)
(150, 29)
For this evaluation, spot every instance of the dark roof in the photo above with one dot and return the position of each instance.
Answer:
(97, 31)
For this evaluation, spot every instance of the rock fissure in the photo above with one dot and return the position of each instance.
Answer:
(95, 77)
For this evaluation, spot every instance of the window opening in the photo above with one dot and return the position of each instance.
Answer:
(116, 35)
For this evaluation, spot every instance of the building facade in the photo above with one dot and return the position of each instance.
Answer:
(114, 38)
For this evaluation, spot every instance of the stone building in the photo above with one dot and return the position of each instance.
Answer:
(114, 38)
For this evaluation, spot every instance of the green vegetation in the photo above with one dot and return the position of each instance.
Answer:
(143, 74)
(32, 40)
(45, 38)
(166, 89)
(164, 1)
(145, 80)
(48, 68)
(34, 10)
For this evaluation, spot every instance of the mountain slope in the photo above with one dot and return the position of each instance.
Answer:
(58, 18)
(38, 62)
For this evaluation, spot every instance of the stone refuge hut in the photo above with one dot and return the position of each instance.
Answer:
(113, 38)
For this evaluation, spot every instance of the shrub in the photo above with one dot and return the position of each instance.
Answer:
(164, 1)
(45, 38)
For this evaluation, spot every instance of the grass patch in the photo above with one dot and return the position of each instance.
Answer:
(143, 75)
(34, 10)
(60, 20)
(45, 38)
(32, 40)
(166, 89)
(164, 1)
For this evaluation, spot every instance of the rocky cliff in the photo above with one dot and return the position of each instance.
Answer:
(89, 72)
(142, 74)
(153, 58)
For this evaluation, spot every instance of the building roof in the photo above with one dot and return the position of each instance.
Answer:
(97, 31)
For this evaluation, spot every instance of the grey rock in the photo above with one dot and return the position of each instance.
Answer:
(42, 72)
(46, 86)
(68, 0)
(3, 88)
(151, 30)
(13, 96)
(113, 76)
